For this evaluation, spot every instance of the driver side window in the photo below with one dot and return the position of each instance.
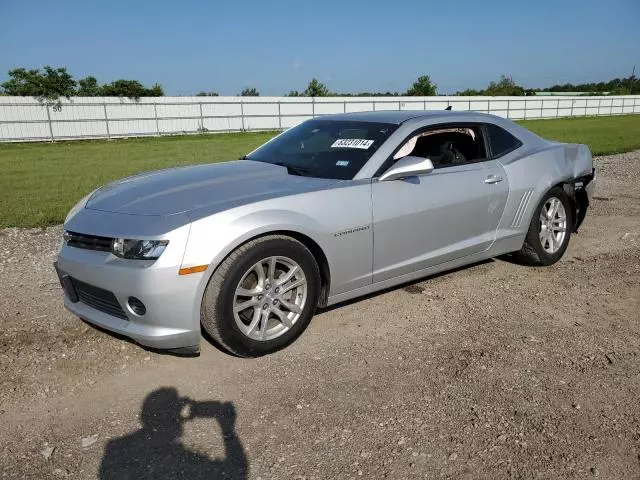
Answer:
(446, 146)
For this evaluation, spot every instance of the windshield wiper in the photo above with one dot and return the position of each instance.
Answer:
(295, 170)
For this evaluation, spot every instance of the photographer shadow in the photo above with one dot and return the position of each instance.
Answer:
(155, 451)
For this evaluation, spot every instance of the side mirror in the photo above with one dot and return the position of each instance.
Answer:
(408, 166)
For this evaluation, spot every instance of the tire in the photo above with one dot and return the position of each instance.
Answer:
(537, 252)
(245, 333)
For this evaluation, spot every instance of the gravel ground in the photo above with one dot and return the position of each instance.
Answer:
(491, 371)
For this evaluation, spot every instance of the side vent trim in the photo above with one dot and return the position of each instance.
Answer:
(522, 208)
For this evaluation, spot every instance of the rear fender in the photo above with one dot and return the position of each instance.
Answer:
(566, 165)
(581, 185)
(579, 158)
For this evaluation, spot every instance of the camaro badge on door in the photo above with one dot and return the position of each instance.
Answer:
(352, 230)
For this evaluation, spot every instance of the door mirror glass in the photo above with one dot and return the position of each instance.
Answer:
(409, 166)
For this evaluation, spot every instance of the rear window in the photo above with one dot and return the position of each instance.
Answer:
(501, 141)
(325, 148)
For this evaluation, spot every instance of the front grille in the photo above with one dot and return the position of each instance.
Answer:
(98, 298)
(88, 242)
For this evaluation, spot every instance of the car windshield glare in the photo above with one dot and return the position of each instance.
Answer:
(325, 148)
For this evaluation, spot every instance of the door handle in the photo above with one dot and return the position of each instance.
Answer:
(492, 179)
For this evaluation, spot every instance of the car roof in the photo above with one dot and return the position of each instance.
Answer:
(400, 116)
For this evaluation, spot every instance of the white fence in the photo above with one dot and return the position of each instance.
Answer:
(27, 119)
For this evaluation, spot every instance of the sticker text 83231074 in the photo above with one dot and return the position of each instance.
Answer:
(352, 143)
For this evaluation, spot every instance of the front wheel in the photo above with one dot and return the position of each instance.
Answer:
(549, 231)
(262, 296)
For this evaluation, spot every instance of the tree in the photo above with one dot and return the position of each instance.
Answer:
(366, 94)
(207, 94)
(88, 87)
(49, 85)
(130, 88)
(23, 82)
(470, 92)
(504, 87)
(53, 83)
(250, 92)
(423, 87)
(155, 91)
(617, 86)
(316, 89)
(621, 90)
(293, 93)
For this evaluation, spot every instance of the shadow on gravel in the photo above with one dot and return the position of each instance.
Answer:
(156, 452)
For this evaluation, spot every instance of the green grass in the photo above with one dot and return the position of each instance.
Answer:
(603, 135)
(40, 182)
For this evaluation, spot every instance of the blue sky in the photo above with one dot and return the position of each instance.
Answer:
(278, 46)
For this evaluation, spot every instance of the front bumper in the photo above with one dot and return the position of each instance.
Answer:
(172, 318)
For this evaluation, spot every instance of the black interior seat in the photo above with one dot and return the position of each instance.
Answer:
(448, 154)
(447, 148)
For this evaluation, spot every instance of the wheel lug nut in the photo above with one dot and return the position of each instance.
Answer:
(275, 302)
(277, 290)
(265, 306)
(260, 297)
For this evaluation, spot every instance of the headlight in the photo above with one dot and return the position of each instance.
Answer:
(138, 249)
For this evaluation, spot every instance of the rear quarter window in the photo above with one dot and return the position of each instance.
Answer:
(501, 141)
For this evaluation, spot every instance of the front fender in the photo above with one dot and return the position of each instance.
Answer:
(337, 220)
(212, 239)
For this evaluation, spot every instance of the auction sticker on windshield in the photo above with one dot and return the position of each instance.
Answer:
(352, 143)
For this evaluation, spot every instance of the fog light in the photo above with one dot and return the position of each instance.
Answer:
(137, 306)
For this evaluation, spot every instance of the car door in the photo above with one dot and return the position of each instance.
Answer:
(426, 220)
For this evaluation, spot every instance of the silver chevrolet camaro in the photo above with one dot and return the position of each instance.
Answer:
(334, 208)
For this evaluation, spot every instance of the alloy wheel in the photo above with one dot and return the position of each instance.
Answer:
(553, 225)
(270, 298)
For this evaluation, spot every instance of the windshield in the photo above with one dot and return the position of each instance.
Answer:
(325, 148)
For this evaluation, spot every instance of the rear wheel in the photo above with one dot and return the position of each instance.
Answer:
(549, 231)
(262, 296)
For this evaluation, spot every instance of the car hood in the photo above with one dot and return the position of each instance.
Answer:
(216, 187)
